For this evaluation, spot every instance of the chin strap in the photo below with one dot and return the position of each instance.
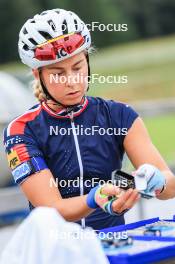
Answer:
(89, 71)
(50, 97)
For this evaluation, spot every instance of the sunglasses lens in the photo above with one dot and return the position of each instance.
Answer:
(49, 51)
(46, 52)
(71, 43)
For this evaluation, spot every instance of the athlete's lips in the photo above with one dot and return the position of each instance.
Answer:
(73, 93)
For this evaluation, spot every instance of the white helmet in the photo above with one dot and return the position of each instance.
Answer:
(48, 25)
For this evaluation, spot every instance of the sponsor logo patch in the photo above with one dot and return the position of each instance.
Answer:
(13, 159)
(12, 141)
(21, 171)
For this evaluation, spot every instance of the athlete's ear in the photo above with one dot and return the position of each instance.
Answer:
(36, 73)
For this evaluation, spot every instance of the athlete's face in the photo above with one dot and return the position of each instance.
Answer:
(66, 80)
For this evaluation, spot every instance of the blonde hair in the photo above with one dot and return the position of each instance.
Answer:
(38, 91)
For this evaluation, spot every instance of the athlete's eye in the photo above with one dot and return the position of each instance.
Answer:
(77, 68)
(58, 73)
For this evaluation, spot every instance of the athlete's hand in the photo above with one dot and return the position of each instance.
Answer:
(124, 201)
(155, 179)
(112, 199)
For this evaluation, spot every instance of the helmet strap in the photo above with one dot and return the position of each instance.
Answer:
(89, 71)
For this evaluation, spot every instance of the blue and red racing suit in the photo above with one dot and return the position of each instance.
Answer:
(80, 146)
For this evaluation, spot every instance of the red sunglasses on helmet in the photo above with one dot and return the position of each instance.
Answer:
(49, 50)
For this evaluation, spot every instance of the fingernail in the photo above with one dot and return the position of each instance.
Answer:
(138, 196)
(130, 190)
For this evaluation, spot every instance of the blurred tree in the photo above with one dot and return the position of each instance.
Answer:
(12, 16)
(104, 12)
(64, 4)
(144, 19)
(151, 17)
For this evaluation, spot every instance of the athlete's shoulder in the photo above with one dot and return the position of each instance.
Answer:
(117, 109)
(97, 100)
(122, 108)
(106, 102)
(17, 125)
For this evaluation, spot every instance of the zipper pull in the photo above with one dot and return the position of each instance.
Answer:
(71, 114)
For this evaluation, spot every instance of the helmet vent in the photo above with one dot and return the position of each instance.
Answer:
(25, 47)
(43, 13)
(64, 27)
(25, 31)
(50, 22)
(33, 41)
(57, 11)
(76, 24)
(45, 34)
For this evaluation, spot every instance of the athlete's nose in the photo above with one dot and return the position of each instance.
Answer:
(71, 78)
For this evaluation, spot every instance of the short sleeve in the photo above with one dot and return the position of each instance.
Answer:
(123, 116)
(23, 154)
(128, 116)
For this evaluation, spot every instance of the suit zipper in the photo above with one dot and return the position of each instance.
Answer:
(79, 160)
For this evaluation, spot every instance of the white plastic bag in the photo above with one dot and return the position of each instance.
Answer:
(45, 237)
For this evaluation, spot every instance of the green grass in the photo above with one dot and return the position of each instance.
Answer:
(149, 66)
(162, 132)
(13, 67)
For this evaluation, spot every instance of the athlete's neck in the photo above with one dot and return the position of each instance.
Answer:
(57, 108)
(54, 106)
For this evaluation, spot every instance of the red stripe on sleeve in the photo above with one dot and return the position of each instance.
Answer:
(22, 152)
(18, 126)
